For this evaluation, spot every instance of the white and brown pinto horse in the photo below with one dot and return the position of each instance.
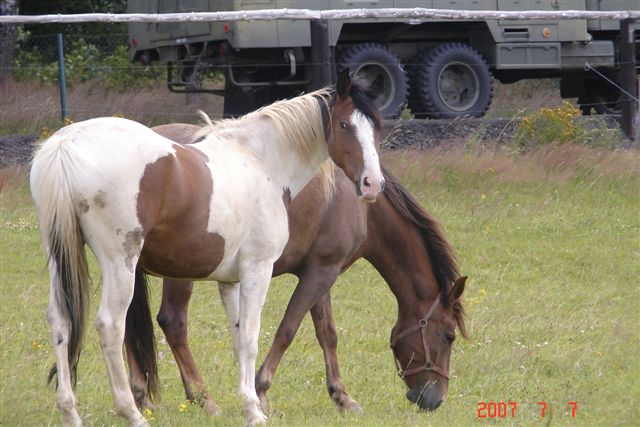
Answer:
(215, 210)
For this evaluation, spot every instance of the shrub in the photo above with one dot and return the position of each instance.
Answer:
(550, 125)
(84, 61)
(121, 73)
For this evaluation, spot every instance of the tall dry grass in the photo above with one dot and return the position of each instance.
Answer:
(524, 97)
(27, 107)
(552, 163)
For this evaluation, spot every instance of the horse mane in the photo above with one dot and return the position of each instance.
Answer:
(305, 111)
(363, 98)
(309, 112)
(441, 254)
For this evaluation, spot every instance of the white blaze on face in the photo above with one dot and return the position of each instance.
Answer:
(371, 180)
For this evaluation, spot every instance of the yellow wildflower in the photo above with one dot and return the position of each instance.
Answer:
(45, 133)
(148, 414)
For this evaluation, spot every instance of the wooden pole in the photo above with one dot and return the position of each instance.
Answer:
(320, 54)
(628, 79)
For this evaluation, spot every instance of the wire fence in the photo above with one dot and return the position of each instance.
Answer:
(104, 81)
(87, 57)
(101, 81)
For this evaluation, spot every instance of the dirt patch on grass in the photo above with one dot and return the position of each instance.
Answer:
(16, 150)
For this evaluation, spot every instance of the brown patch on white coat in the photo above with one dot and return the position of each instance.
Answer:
(181, 216)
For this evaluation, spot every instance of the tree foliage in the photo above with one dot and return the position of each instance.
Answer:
(7, 37)
(92, 51)
(42, 7)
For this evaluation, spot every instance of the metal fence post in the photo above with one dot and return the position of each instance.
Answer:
(63, 86)
(320, 53)
(628, 82)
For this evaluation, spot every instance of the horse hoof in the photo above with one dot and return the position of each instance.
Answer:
(255, 419)
(254, 416)
(211, 408)
(72, 420)
(264, 404)
(350, 405)
(140, 422)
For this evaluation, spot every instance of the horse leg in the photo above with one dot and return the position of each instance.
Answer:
(139, 342)
(172, 318)
(117, 292)
(137, 380)
(254, 283)
(322, 316)
(312, 284)
(60, 331)
(230, 296)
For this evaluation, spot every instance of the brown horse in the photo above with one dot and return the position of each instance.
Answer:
(402, 241)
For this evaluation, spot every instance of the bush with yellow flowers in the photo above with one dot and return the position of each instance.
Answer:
(550, 125)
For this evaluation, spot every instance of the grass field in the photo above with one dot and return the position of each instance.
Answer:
(550, 240)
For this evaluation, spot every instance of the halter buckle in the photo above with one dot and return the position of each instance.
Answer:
(423, 322)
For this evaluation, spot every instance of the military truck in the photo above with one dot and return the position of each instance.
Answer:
(438, 68)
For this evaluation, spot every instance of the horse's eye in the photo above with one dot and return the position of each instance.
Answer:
(450, 338)
(343, 125)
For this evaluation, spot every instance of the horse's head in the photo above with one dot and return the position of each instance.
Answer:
(354, 143)
(423, 349)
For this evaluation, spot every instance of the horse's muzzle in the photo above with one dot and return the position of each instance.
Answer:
(368, 188)
(426, 398)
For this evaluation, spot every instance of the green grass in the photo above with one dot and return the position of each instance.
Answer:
(550, 241)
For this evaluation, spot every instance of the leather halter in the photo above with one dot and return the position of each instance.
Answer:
(422, 327)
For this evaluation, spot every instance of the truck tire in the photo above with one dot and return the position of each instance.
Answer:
(381, 69)
(600, 97)
(450, 80)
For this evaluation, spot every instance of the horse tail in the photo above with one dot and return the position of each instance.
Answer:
(54, 174)
(139, 334)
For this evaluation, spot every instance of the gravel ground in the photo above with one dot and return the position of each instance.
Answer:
(429, 133)
(398, 134)
(16, 149)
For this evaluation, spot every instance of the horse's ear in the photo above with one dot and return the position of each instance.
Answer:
(343, 87)
(458, 288)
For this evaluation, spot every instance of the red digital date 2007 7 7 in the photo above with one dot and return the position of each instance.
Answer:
(509, 409)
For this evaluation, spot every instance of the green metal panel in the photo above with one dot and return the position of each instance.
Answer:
(296, 33)
(258, 34)
(141, 31)
(465, 4)
(599, 53)
(558, 30)
(413, 3)
(177, 30)
(608, 5)
(522, 56)
(336, 26)
(541, 5)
